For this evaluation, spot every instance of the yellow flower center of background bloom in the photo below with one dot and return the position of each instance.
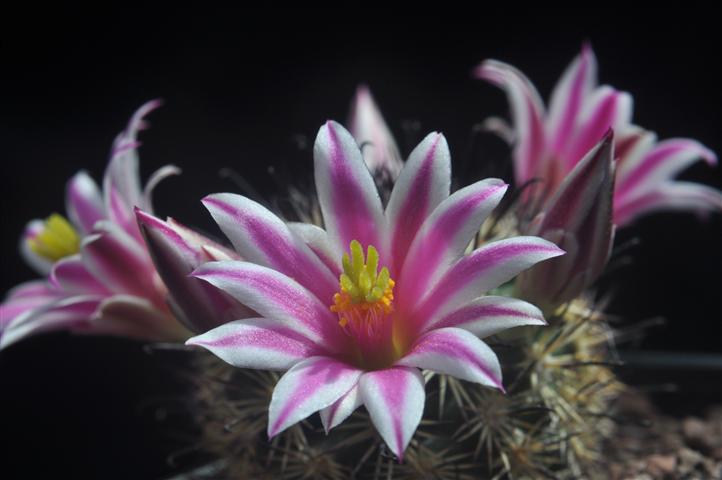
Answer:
(365, 293)
(57, 240)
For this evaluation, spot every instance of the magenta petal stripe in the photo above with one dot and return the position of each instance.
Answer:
(491, 314)
(257, 343)
(317, 240)
(274, 295)
(669, 196)
(84, 202)
(261, 237)
(455, 352)
(340, 410)
(350, 203)
(422, 185)
(311, 385)
(485, 268)
(527, 112)
(71, 275)
(395, 400)
(445, 235)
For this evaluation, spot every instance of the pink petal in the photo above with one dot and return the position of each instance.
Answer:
(527, 111)
(59, 315)
(158, 176)
(276, 296)
(487, 267)
(72, 276)
(311, 385)
(134, 317)
(350, 203)
(663, 162)
(445, 235)
(339, 411)
(673, 196)
(568, 97)
(422, 185)
(257, 343)
(261, 237)
(83, 201)
(37, 262)
(368, 127)
(317, 240)
(490, 315)
(455, 352)
(25, 297)
(395, 400)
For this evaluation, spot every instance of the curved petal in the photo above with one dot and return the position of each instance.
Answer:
(339, 411)
(83, 201)
(445, 235)
(455, 352)
(25, 297)
(606, 108)
(63, 314)
(422, 185)
(489, 315)
(350, 203)
(527, 112)
(134, 317)
(309, 386)
(368, 127)
(485, 268)
(37, 262)
(317, 240)
(158, 176)
(274, 295)
(669, 196)
(114, 258)
(663, 162)
(71, 275)
(395, 400)
(261, 237)
(567, 99)
(257, 343)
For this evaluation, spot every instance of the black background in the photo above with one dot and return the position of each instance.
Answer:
(248, 90)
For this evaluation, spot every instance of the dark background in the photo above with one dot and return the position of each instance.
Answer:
(249, 90)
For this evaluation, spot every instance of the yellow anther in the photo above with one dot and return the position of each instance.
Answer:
(362, 286)
(57, 240)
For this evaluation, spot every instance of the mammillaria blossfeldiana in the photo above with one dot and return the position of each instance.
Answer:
(100, 278)
(548, 143)
(355, 311)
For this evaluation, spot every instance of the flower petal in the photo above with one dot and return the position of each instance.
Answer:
(37, 262)
(25, 297)
(276, 296)
(339, 411)
(489, 315)
(261, 237)
(527, 111)
(455, 352)
(445, 235)
(485, 268)
(83, 201)
(368, 127)
(257, 343)
(395, 400)
(422, 185)
(669, 196)
(350, 203)
(663, 162)
(119, 262)
(71, 275)
(62, 314)
(317, 240)
(309, 386)
(567, 99)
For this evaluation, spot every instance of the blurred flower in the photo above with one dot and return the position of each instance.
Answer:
(100, 278)
(549, 143)
(378, 146)
(578, 218)
(353, 312)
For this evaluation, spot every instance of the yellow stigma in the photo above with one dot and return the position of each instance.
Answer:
(363, 287)
(57, 240)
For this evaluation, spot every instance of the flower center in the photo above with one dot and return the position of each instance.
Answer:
(58, 239)
(364, 304)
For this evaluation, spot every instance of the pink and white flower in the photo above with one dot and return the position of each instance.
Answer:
(548, 143)
(99, 275)
(355, 311)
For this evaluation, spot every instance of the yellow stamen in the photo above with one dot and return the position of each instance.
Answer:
(362, 286)
(57, 240)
